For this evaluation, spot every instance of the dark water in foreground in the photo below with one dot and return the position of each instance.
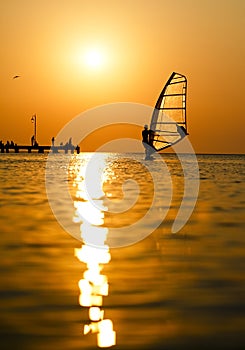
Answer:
(174, 291)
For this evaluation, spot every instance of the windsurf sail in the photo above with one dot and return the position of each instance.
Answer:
(168, 123)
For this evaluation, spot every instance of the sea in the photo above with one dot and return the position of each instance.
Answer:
(108, 264)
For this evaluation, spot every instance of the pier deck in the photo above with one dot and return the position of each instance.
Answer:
(40, 149)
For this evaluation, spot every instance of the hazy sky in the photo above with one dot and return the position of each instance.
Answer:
(73, 55)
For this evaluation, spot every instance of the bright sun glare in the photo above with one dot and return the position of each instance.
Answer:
(93, 58)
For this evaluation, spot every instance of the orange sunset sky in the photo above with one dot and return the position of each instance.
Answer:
(73, 55)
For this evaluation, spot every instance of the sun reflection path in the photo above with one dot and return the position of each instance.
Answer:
(94, 285)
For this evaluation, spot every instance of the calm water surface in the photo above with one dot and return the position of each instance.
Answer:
(177, 291)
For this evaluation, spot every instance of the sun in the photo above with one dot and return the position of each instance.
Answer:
(93, 58)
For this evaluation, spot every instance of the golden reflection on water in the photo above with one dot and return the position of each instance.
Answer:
(94, 285)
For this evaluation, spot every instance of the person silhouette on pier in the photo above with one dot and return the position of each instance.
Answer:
(1, 146)
(32, 140)
(53, 139)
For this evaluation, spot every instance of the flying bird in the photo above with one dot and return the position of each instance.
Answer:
(16, 76)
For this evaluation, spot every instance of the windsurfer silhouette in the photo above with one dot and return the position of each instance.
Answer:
(145, 134)
(147, 140)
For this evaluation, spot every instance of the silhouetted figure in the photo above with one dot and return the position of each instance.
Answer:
(53, 139)
(145, 134)
(32, 140)
(78, 149)
(2, 146)
(7, 146)
(147, 140)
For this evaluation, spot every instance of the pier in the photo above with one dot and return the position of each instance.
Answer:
(39, 149)
(35, 147)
